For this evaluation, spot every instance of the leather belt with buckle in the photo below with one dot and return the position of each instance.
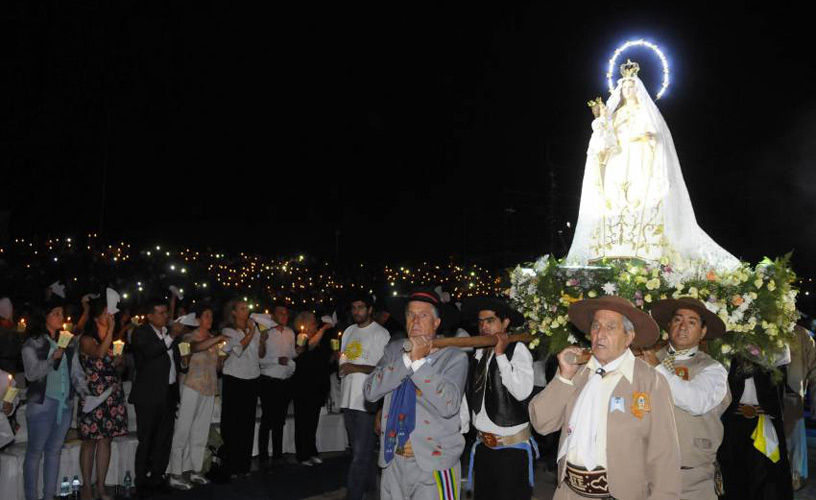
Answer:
(495, 441)
(588, 484)
(749, 411)
(406, 451)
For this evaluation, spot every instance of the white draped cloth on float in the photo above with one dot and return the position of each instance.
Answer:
(636, 205)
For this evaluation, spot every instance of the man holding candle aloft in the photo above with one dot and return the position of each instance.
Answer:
(277, 360)
(421, 441)
(615, 413)
(499, 385)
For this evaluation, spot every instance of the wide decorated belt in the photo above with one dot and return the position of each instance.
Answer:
(495, 441)
(588, 484)
(749, 411)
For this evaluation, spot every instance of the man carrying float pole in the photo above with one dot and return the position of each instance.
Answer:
(699, 387)
(615, 413)
(499, 385)
(420, 442)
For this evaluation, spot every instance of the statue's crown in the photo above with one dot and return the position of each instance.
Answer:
(595, 102)
(629, 69)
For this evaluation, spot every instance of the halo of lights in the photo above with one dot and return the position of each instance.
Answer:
(638, 43)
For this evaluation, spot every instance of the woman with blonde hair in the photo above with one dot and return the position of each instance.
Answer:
(239, 385)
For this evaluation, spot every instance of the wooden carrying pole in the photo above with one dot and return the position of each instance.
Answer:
(477, 342)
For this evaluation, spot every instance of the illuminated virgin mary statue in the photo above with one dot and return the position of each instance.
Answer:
(634, 202)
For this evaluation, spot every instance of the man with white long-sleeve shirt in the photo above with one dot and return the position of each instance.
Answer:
(699, 388)
(275, 389)
(499, 386)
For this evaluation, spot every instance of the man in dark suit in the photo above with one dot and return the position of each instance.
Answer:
(155, 395)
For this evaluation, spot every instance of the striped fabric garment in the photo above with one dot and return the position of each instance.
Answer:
(446, 483)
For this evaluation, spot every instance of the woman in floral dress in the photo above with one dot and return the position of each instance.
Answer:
(102, 415)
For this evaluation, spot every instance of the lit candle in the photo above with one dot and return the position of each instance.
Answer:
(21, 326)
(64, 339)
(11, 391)
(303, 337)
(118, 347)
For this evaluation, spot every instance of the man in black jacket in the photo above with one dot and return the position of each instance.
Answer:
(498, 391)
(155, 395)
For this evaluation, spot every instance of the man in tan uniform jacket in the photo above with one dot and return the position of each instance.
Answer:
(699, 386)
(615, 413)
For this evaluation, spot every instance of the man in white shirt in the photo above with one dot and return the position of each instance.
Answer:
(275, 388)
(363, 344)
(699, 386)
(499, 386)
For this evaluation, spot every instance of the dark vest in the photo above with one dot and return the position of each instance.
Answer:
(502, 408)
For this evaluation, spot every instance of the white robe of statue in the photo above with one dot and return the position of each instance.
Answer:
(634, 201)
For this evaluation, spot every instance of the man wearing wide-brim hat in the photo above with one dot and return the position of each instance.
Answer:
(615, 413)
(699, 386)
(499, 387)
(422, 387)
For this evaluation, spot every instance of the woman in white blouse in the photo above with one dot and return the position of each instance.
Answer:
(239, 393)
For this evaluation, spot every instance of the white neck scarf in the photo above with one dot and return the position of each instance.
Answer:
(583, 424)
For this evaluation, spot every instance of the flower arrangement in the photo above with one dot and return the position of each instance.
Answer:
(757, 304)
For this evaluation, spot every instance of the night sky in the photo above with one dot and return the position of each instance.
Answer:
(390, 131)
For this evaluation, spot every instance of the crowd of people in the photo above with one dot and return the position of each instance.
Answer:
(637, 418)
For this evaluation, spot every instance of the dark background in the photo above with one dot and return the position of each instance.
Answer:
(391, 131)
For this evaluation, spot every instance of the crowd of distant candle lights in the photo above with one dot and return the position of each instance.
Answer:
(301, 281)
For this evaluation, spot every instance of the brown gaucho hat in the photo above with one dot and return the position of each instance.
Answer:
(582, 312)
(663, 312)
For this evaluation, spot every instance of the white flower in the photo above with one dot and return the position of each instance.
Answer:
(610, 288)
(725, 348)
(571, 339)
(541, 264)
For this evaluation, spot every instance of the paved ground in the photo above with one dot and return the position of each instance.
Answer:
(325, 482)
(545, 485)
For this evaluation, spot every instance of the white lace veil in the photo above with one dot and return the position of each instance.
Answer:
(689, 243)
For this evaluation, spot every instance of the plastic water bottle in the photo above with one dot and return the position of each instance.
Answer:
(127, 485)
(75, 485)
(65, 487)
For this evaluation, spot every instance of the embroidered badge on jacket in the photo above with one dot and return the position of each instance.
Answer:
(682, 372)
(640, 404)
(616, 404)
